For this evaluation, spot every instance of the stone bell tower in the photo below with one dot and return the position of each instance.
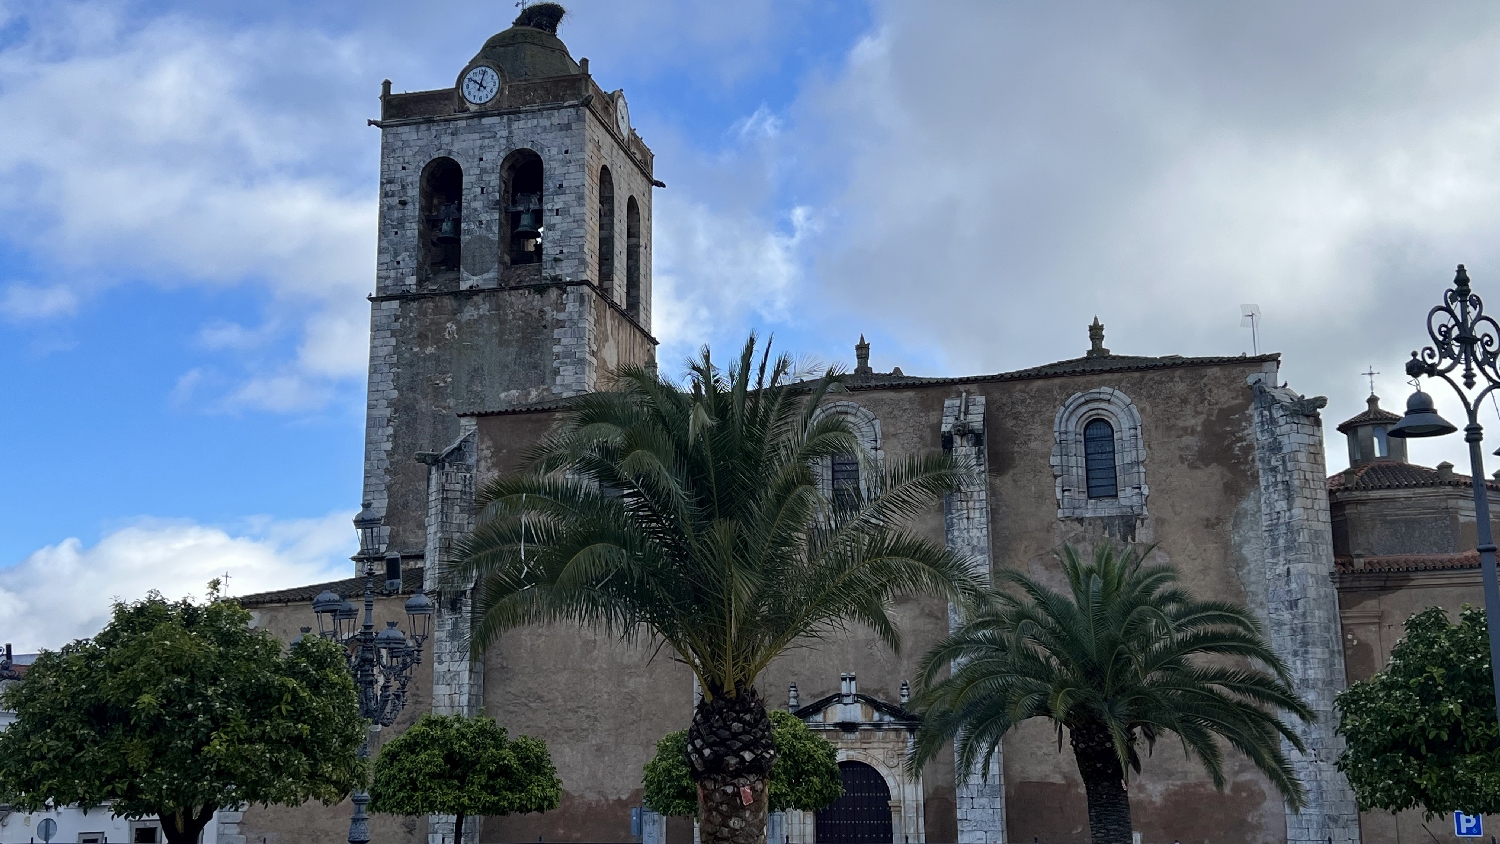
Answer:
(514, 262)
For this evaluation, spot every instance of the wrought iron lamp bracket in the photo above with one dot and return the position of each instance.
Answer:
(1464, 338)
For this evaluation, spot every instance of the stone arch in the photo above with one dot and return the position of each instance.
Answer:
(607, 232)
(633, 258)
(522, 203)
(1069, 457)
(440, 221)
(890, 771)
(866, 426)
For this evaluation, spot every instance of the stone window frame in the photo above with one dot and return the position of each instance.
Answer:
(866, 426)
(1068, 463)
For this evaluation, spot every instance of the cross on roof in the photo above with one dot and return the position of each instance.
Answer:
(1371, 373)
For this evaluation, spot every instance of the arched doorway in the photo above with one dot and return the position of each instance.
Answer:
(863, 814)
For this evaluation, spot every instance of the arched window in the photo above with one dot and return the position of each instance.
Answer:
(839, 476)
(1099, 456)
(606, 232)
(522, 224)
(442, 220)
(1099, 459)
(632, 258)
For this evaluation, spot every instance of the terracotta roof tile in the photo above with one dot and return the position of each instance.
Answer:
(411, 581)
(1406, 563)
(1373, 415)
(1393, 474)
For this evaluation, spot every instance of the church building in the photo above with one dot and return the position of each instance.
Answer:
(515, 272)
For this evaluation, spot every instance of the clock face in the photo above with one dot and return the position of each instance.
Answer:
(622, 116)
(480, 85)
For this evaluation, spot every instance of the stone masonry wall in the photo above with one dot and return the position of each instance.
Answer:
(979, 794)
(1302, 605)
(457, 679)
(489, 335)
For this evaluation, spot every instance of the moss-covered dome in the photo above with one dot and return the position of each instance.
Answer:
(530, 49)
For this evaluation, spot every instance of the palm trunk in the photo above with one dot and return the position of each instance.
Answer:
(730, 754)
(1103, 784)
(184, 826)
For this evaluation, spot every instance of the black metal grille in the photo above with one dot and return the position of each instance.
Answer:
(845, 479)
(863, 814)
(1099, 459)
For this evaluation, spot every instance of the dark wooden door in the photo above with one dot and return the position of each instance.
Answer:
(863, 814)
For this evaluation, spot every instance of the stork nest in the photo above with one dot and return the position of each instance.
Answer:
(543, 16)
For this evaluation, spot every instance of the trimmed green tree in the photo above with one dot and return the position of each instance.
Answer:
(805, 775)
(1122, 657)
(1422, 734)
(176, 710)
(465, 767)
(693, 516)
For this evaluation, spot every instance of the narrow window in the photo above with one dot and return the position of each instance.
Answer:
(606, 232)
(633, 258)
(1382, 446)
(1099, 459)
(845, 480)
(442, 219)
(522, 223)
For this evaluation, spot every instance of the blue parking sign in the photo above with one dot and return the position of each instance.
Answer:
(1468, 826)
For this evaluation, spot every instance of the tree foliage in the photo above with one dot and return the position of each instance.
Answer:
(468, 767)
(1422, 734)
(176, 710)
(1122, 657)
(805, 776)
(694, 517)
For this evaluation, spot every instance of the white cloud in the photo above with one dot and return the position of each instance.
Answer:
(64, 591)
(715, 269)
(30, 302)
(991, 187)
(190, 154)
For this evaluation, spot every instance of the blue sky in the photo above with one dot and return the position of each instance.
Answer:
(186, 192)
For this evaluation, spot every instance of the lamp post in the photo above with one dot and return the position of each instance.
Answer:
(1465, 350)
(382, 663)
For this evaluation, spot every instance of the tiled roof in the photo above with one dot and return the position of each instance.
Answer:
(411, 581)
(1393, 474)
(1075, 366)
(1406, 563)
(1374, 414)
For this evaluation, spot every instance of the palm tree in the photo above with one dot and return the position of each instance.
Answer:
(1118, 661)
(692, 517)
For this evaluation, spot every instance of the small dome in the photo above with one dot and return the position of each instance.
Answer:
(530, 49)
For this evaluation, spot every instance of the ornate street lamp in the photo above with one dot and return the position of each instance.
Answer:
(1466, 348)
(382, 663)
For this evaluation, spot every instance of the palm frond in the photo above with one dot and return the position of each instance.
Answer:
(693, 516)
(1124, 653)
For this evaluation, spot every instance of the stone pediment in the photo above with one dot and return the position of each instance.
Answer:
(848, 710)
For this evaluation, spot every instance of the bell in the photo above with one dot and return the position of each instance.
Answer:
(526, 229)
(448, 232)
(1421, 419)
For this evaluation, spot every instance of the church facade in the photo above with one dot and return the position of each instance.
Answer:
(515, 272)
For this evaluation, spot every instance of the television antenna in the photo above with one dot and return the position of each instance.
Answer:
(1249, 318)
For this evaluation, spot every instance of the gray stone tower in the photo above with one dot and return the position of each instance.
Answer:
(514, 261)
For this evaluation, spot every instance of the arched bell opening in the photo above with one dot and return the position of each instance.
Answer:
(442, 219)
(606, 232)
(522, 225)
(862, 815)
(633, 258)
